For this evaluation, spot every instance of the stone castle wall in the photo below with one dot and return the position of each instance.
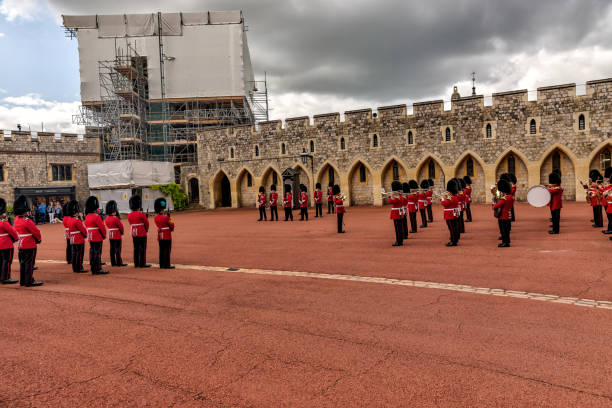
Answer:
(487, 139)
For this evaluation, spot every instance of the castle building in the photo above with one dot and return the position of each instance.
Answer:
(367, 151)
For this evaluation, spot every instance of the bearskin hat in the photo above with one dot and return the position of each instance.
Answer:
(608, 172)
(513, 178)
(160, 204)
(504, 186)
(467, 180)
(92, 205)
(451, 187)
(413, 185)
(505, 176)
(595, 175)
(405, 187)
(72, 208)
(287, 188)
(318, 185)
(111, 207)
(273, 187)
(462, 183)
(2, 206)
(336, 189)
(431, 182)
(135, 203)
(554, 178)
(396, 186)
(303, 188)
(21, 206)
(262, 189)
(424, 184)
(331, 185)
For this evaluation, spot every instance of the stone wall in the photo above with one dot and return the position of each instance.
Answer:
(487, 135)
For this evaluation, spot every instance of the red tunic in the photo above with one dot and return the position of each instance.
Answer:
(96, 231)
(303, 200)
(138, 223)
(451, 208)
(412, 202)
(604, 200)
(595, 195)
(422, 200)
(429, 197)
(66, 222)
(318, 197)
(165, 226)
(261, 200)
(404, 205)
(273, 199)
(8, 235)
(556, 197)
(506, 205)
(396, 208)
(28, 233)
(77, 231)
(461, 198)
(288, 201)
(330, 194)
(115, 227)
(339, 205)
(468, 194)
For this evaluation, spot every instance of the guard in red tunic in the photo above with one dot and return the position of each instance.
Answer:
(66, 222)
(413, 205)
(450, 203)
(96, 234)
(468, 198)
(513, 182)
(115, 233)
(423, 202)
(8, 237)
(461, 197)
(288, 203)
(273, 203)
(330, 199)
(340, 210)
(556, 200)
(77, 233)
(396, 201)
(29, 238)
(404, 198)
(303, 201)
(139, 225)
(165, 226)
(606, 200)
(594, 196)
(429, 195)
(504, 204)
(262, 201)
(318, 199)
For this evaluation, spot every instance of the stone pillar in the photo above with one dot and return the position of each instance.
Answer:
(346, 188)
(376, 188)
(211, 193)
(234, 190)
(490, 179)
(581, 166)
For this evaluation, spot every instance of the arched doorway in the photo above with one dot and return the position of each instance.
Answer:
(469, 166)
(393, 171)
(194, 191)
(361, 184)
(558, 159)
(431, 169)
(328, 174)
(247, 191)
(601, 161)
(303, 178)
(269, 177)
(512, 163)
(222, 192)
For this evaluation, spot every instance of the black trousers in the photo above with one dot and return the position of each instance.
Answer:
(399, 232)
(95, 256)
(405, 226)
(319, 210)
(68, 252)
(461, 223)
(303, 213)
(429, 213)
(556, 219)
(26, 266)
(453, 229)
(468, 211)
(504, 230)
(165, 246)
(609, 215)
(331, 208)
(115, 252)
(340, 222)
(288, 214)
(512, 217)
(140, 251)
(423, 218)
(273, 213)
(262, 214)
(598, 216)
(413, 223)
(76, 252)
(6, 261)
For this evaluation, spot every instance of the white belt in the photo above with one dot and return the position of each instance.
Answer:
(136, 225)
(339, 205)
(165, 228)
(449, 209)
(25, 235)
(75, 232)
(113, 229)
(94, 228)
(396, 208)
(3, 235)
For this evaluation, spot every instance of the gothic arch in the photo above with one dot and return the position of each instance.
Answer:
(593, 159)
(521, 171)
(558, 146)
(477, 174)
(386, 172)
(360, 191)
(246, 194)
(422, 170)
(323, 176)
(305, 176)
(513, 151)
(567, 161)
(220, 190)
(474, 156)
(267, 179)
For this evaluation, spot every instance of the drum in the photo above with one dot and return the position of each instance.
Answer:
(538, 196)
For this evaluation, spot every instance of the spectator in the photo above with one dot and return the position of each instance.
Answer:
(51, 212)
(42, 212)
(58, 211)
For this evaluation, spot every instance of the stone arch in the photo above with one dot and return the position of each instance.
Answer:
(361, 192)
(323, 175)
(568, 173)
(304, 176)
(423, 170)
(193, 192)
(600, 158)
(478, 176)
(504, 165)
(247, 195)
(388, 169)
(267, 179)
(221, 191)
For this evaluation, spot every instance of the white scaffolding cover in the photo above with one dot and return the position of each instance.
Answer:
(129, 174)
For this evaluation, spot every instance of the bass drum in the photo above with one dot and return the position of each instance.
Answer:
(538, 196)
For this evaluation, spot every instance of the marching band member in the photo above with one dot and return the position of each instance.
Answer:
(29, 238)
(396, 212)
(261, 204)
(504, 205)
(450, 203)
(303, 201)
(593, 195)
(606, 200)
(66, 222)
(404, 197)
(77, 233)
(461, 196)
(330, 199)
(339, 205)
(318, 199)
(513, 181)
(96, 233)
(115, 233)
(421, 196)
(139, 225)
(468, 196)
(8, 237)
(273, 203)
(165, 226)
(288, 203)
(429, 195)
(413, 205)
(556, 200)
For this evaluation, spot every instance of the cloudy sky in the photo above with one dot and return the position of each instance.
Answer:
(333, 55)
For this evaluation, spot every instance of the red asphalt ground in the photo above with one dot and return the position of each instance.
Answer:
(192, 338)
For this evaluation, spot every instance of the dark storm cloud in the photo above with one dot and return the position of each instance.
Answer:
(394, 49)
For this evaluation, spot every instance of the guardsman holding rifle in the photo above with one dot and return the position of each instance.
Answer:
(165, 226)
(303, 201)
(261, 204)
(139, 224)
(115, 233)
(8, 237)
(273, 203)
(468, 196)
(318, 199)
(96, 233)
(450, 203)
(77, 233)
(288, 203)
(413, 205)
(339, 205)
(396, 202)
(66, 222)
(556, 200)
(29, 238)
(504, 211)
(330, 199)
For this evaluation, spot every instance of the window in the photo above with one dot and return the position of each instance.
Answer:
(375, 140)
(231, 152)
(431, 170)
(342, 144)
(511, 164)
(556, 161)
(1, 172)
(410, 138)
(311, 146)
(396, 174)
(489, 131)
(362, 174)
(331, 176)
(283, 149)
(469, 167)
(256, 151)
(532, 127)
(604, 159)
(581, 122)
(249, 180)
(61, 172)
(447, 135)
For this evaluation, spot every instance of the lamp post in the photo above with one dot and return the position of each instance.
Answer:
(305, 156)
